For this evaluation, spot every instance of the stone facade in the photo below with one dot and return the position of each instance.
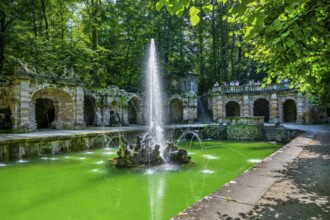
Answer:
(184, 83)
(30, 101)
(112, 107)
(277, 103)
(20, 94)
(182, 108)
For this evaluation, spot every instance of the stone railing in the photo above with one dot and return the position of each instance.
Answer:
(255, 120)
(251, 88)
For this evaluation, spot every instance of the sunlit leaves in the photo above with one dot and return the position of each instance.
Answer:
(289, 38)
(238, 10)
(207, 8)
(176, 7)
(193, 14)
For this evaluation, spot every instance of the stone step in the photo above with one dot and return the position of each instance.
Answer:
(269, 133)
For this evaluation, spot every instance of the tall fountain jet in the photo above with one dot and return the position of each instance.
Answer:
(151, 149)
(154, 108)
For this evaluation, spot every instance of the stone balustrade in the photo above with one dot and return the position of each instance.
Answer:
(251, 88)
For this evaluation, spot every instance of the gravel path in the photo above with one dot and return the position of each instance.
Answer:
(302, 191)
(292, 184)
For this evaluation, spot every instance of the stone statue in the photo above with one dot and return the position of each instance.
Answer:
(24, 69)
(50, 72)
(143, 154)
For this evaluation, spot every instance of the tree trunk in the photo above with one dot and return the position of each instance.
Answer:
(239, 56)
(201, 48)
(95, 41)
(223, 47)
(35, 29)
(232, 61)
(3, 28)
(2, 42)
(43, 6)
(214, 44)
(167, 43)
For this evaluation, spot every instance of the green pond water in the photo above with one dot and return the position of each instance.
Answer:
(85, 186)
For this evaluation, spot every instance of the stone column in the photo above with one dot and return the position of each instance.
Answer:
(33, 121)
(124, 116)
(139, 114)
(307, 111)
(280, 110)
(79, 122)
(21, 106)
(246, 106)
(98, 114)
(191, 107)
(105, 109)
(274, 111)
(217, 108)
(300, 108)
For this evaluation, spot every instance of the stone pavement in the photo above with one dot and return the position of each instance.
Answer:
(51, 133)
(293, 183)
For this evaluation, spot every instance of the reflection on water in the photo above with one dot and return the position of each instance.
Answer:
(100, 162)
(210, 157)
(207, 171)
(254, 160)
(109, 153)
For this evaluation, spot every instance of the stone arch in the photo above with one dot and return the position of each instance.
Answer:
(115, 119)
(6, 113)
(289, 111)
(261, 108)
(134, 109)
(233, 109)
(5, 118)
(57, 104)
(89, 110)
(176, 111)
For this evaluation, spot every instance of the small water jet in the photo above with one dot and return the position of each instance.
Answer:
(152, 149)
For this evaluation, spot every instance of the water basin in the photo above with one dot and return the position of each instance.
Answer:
(86, 186)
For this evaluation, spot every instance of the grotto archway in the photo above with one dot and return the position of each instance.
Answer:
(44, 112)
(261, 108)
(232, 109)
(89, 110)
(55, 104)
(5, 118)
(176, 111)
(289, 111)
(133, 110)
(115, 118)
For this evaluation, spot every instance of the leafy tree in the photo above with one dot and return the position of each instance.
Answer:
(218, 45)
(290, 39)
(9, 12)
(287, 39)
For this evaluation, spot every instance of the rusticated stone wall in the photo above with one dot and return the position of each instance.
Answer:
(279, 104)
(20, 93)
(66, 104)
(181, 108)
(245, 128)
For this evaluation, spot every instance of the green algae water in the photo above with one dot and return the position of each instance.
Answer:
(85, 186)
